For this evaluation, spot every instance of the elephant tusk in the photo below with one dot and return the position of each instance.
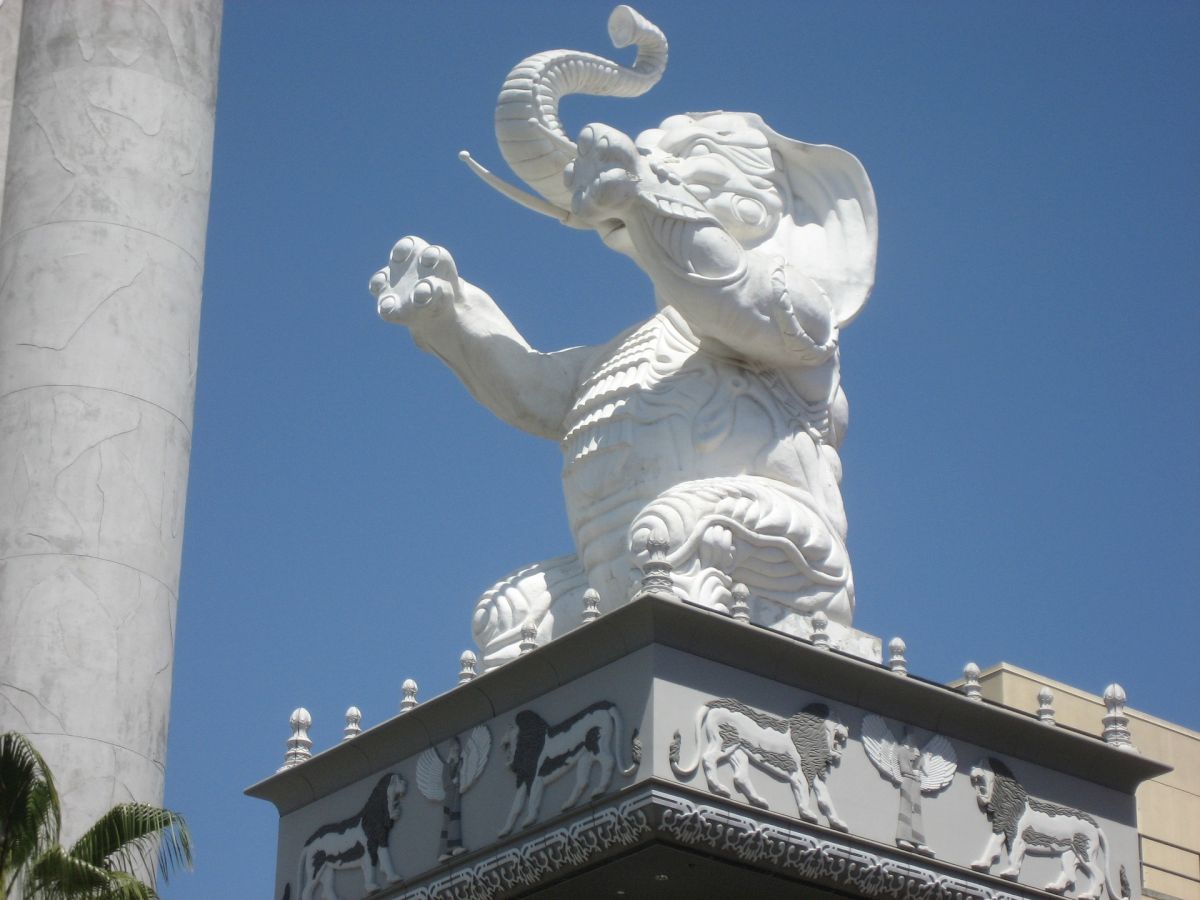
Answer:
(529, 201)
(563, 144)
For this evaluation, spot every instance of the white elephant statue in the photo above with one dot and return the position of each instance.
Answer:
(710, 430)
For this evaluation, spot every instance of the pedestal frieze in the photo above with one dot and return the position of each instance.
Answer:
(812, 766)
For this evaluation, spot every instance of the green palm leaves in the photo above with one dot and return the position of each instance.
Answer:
(127, 843)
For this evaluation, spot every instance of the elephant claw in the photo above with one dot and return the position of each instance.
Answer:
(419, 277)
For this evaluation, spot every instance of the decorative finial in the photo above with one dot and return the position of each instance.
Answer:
(591, 605)
(740, 608)
(352, 729)
(409, 700)
(528, 639)
(820, 630)
(299, 745)
(971, 682)
(1045, 711)
(1116, 723)
(656, 573)
(896, 661)
(466, 667)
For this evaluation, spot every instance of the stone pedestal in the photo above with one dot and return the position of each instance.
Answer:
(666, 750)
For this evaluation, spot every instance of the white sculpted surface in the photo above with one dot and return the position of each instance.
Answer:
(714, 425)
(799, 750)
(1026, 825)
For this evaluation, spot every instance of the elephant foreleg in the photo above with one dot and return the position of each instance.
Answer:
(459, 323)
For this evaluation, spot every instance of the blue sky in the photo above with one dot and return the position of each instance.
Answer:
(1022, 475)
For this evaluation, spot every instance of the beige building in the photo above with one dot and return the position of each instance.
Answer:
(1168, 807)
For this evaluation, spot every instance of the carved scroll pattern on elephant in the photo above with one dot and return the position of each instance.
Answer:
(713, 426)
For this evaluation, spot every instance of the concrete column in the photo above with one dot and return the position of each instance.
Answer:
(10, 28)
(101, 260)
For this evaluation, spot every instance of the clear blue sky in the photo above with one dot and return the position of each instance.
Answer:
(1022, 470)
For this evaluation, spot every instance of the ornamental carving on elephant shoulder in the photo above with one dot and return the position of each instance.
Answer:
(713, 427)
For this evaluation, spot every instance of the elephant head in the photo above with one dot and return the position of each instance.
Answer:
(715, 207)
(776, 198)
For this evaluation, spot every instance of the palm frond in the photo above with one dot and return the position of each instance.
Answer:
(123, 886)
(56, 875)
(29, 810)
(134, 837)
(130, 842)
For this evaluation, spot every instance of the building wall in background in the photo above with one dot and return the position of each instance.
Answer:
(1168, 807)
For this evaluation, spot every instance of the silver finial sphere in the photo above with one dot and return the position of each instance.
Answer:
(468, 664)
(971, 682)
(353, 718)
(409, 699)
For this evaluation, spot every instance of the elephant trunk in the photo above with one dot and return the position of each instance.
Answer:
(531, 137)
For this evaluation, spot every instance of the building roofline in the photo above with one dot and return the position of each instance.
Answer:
(1060, 687)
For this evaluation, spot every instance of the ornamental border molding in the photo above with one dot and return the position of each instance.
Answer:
(825, 860)
(559, 850)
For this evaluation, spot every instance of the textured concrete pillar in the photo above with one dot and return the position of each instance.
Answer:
(10, 27)
(101, 259)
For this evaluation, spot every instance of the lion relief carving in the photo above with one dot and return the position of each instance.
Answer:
(539, 752)
(799, 750)
(359, 842)
(1023, 824)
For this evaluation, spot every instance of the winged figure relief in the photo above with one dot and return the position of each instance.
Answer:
(445, 773)
(915, 768)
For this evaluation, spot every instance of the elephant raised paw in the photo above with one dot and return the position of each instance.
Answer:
(420, 280)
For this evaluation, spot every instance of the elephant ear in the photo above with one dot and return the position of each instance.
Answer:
(834, 225)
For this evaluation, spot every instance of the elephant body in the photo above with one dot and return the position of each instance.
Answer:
(710, 430)
(725, 461)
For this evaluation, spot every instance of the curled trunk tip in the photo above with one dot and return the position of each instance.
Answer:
(531, 137)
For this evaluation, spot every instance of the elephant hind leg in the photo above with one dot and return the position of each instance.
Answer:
(765, 534)
(547, 595)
